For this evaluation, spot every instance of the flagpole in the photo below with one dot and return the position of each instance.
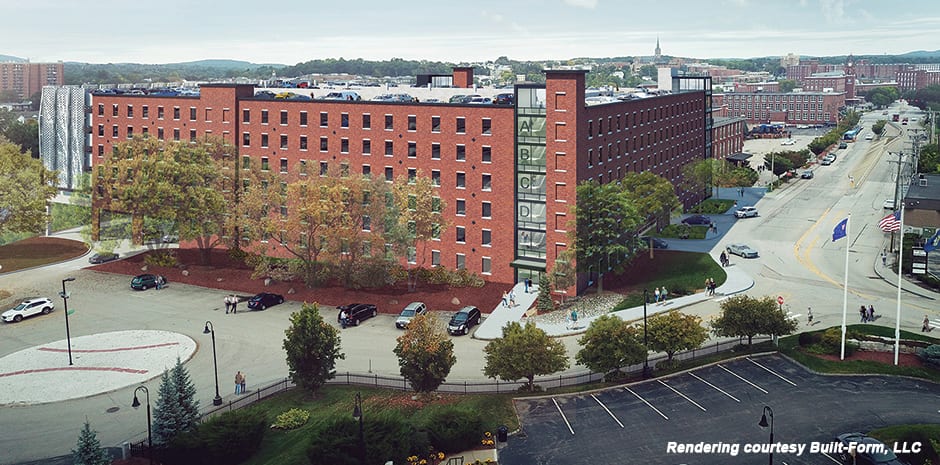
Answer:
(845, 287)
(897, 316)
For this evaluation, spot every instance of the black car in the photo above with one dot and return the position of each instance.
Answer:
(698, 219)
(102, 257)
(143, 282)
(463, 320)
(873, 451)
(355, 313)
(264, 300)
(657, 243)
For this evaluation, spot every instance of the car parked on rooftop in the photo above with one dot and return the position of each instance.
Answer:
(859, 449)
(698, 220)
(356, 313)
(746, 212)
(410, 311)
(462, 321)
(264, 300)
(27, 308)
(741, 250)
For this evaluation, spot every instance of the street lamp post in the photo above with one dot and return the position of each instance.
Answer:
(135, 404)
(209, 329)
(65, 298)
(763, 424)
(357, 414)
(647, 371)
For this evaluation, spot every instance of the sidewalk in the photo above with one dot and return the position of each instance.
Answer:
(888, 275)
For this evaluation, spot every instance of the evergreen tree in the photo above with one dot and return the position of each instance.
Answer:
(88, 451)
(544, 302)
(186, 396)
(167, 414)
(312, 348)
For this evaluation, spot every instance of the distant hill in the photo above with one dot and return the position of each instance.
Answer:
(922, 54)
(225, 64)
(10, 58)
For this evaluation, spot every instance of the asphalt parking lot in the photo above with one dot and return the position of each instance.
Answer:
(718, 404)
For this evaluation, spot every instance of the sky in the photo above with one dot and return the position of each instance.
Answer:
(292, 31)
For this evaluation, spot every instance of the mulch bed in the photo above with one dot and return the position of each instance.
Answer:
(228, 276)
(906, 360)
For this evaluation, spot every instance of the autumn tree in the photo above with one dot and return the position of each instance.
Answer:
(425, 353)
(702, 174)
(610, 344)
(417, 209)
(672, 332)
(653, 196)
(523, 352)
(312, 348)
(208, 191)
(744, 316)
(604, 215)
(25, 187)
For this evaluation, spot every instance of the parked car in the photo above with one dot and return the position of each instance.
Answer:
(462, 321)
(264, 300)
(872, 452)
(843, 145)
(788, 142)
(102, 257)
(657, 243)
(807, 175)
(505, 98)
(170, 238)
(411, 310)
(142, 282)
(28, 307)
(888, 204)
(355, 313)
(698, 219)
(869, 136)
(741, 250)
(746, 212)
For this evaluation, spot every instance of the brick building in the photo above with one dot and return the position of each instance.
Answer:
(507, 173)
(26, 79)
(790, 108)
(727, 137)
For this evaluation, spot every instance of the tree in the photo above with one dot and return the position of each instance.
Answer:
(425, 353)
(25, 187)
(523, 352)
(604, 215)
(25, 134)
(544, 301)
(418, 210)
(167, 412)
(879, 126)
(610, 344)
(185, 396)
(882, 96)
(88, 451)
(312, 348)
(702, 174)
(744, 316)
(671, 332)
(929, 159)
(652, 195)
(564, 274)
(787, 85)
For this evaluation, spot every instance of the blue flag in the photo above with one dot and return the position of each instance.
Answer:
(932, 243)
(839, 231)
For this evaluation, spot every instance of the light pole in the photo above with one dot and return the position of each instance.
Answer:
(65, 298)
(209, 329)
(135, 404)
(763, 424)
(647, 371)
(357, 414)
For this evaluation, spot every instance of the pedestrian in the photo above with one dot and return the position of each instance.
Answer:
(159, 282)
(512, 298)
(243, 383)
(735, 204)
(505, 299)
(664, 293)
(724, 259)
(238, 382)
(708, 286)
(926, 327)
(528, 285)
(228, 304)
(656, 295)
(864, 313)
(711, 286)
(343, 318)
(574, 319)
(809, 315)
(871, 313)
(234, 304)
(884, 258)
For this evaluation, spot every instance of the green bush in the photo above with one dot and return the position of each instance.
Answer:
(452, 430)
(831, 343)
(808, 339)
(291, 419)
(931, 355)
(164, 258)
(712, 206)
(389, 438)
(228, 439)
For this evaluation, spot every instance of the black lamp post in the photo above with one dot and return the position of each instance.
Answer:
(763, 424)
(647, 371)
(65, 298)
(209, 329)
(357, 414)
(135, 404)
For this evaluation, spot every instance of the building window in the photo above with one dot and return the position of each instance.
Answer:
(366, 121)
(100, 150)
(192, 135)
(461, 234)
(435, 258)
(192, 113)
(367, 171)
(389, 120)
(412, 123)
(176, 113)
(100, 109)
(303, 142)
(324, 168)
(246, 116)
(283, 165)
(436, 151)
(366, 223)
(283, 117)
(435, 124)
(246, 139)
(114, 109)
(264, 141)
(303, 167)
(487, 211)
(100, 130)
(160, 133)
(487, 126)
(389, 174)
(461, 207)
(366, 146)
(485, 265)
(130, 132)
(344, 145)
(145, 111)
(487, 182)
(436, 177)
(461, 152)
(176, 134)
(264, 164)
(344, 120)
(461, 180)
(461, 125)
(283, 141)
(303, 118)
(160, 112)
(436, 204)
(412, 175)
(130, 111)
(324, 144)
(324, 119)
(486, 154)
(246, 164)
(389, 148)
(264, 116)
(461, 261)
(486, 237)
(412, 150)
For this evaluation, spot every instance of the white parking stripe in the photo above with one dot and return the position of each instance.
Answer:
(682, 395)
(742, 379)
(563, 417)
(608, 410)
(716, 387)
(647, 403)
(831, 458)
(771, 371)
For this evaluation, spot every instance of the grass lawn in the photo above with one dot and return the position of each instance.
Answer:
(713, 206)
(682, 273)
(38, 250)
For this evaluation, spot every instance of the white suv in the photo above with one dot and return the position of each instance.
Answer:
(746, 212)
(28, 307)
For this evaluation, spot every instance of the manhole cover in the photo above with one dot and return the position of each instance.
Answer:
(113, 409)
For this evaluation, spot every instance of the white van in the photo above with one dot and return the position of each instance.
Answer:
(341, 95)
(869, 136)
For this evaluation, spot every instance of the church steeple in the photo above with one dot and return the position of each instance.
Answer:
(657, 53)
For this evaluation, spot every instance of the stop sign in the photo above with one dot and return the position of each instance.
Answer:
(780, 299)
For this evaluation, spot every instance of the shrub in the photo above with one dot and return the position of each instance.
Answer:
(164, 258)
(931, 355)
(831, 343)
(389, 438)
(229, 438)
(808, 339)
(452, 430)
(291, 419)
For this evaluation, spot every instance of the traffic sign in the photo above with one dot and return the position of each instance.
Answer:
(780, 299)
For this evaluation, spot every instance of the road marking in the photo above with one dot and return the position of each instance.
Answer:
(682, 395)
(608, 410)
(716, 387)
(647, 403)
(771, 371)
(742, 379)
(831, 458)
(563, 417)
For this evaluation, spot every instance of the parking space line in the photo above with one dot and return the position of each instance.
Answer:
(742, 379)
(682, 395)
(563, 417)
(647, 403)
(716, 387)
(608, 410)
(771, 371)
(831, 458)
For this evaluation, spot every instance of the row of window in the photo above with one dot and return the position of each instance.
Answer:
(768, 98)
(365, 147)
(145, 112)
(460, 122)
(616, 149)
(624, 121)
(776, 106)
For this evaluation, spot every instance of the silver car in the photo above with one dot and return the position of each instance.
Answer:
(28, 307)
(746, 212)
(411, 310)
(742, 250)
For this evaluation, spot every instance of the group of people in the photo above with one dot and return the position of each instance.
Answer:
(710, 286)
(231, 303)
(660, 295)
(509, 299)
(724, 259)
(868, 314)
(239, 383)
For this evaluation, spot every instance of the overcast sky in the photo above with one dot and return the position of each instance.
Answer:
(291, 31)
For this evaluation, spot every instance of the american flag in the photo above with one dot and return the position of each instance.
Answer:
(891, 222)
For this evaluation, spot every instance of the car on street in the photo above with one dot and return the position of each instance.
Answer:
(746, 212)
(888, 204)
(741, 250)
(808, 174)
(28, 307)
(264, 300)
(828, 159)
(657, 243)
(843, 145)
(142, 282)
(869, 136)
(410, 311)
(698, 219)
(865, 451)
(462, 321)
(355, 313)
(102, 257)
(788, 142)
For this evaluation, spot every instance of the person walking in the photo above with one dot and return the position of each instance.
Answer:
(656, 295)
(864, 313)
(871, 313)
(809, 315)
(926, 327)
(505, 299)
(228, 304)
(574, 319)
(243, 384)
(708, 286)
(724, 259)
(512, 298)
(884, 258)
(239, 377)
(528, 285)
(343, 318)
(234, 304)
(664, 294)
